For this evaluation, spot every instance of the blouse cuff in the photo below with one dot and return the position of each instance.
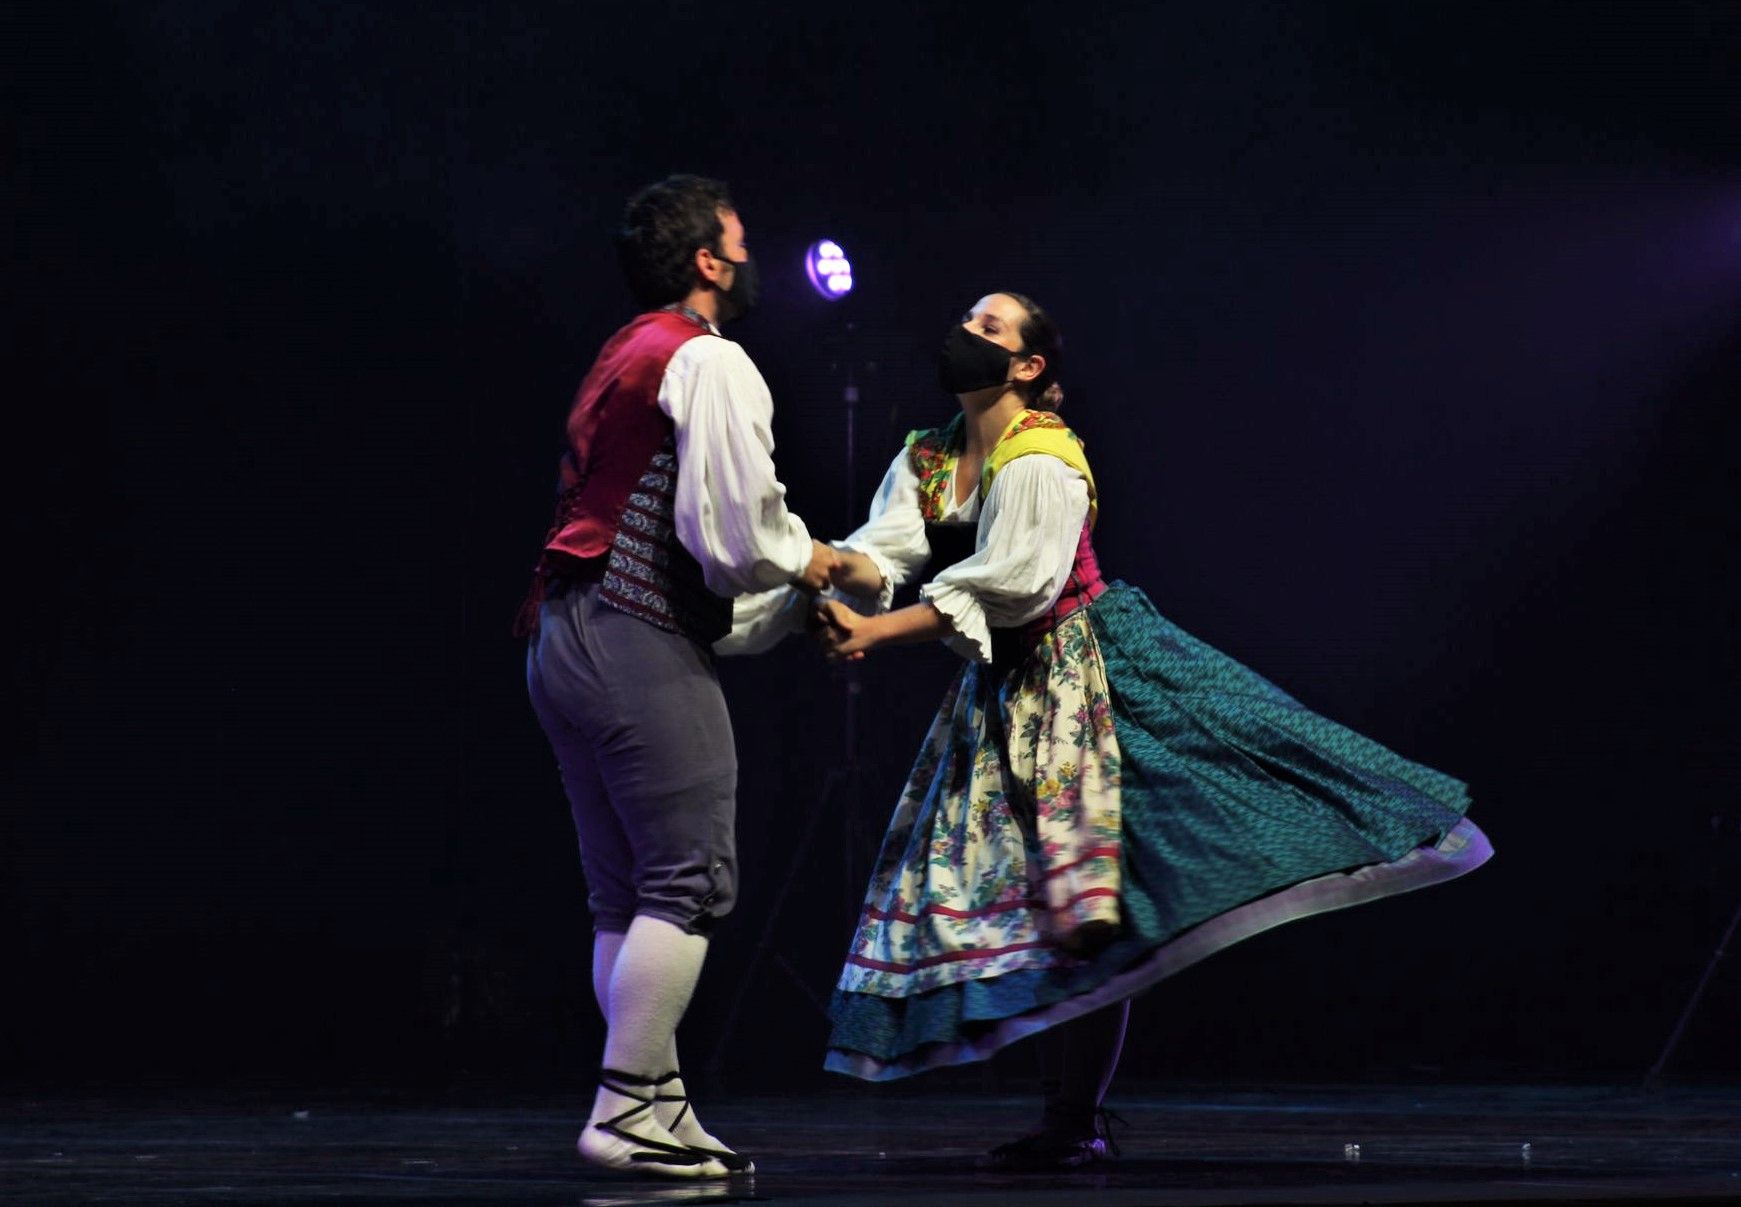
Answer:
(761, 621)
(971, 638)
(885, 598)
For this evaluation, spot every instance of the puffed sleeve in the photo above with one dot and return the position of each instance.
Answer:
(1029, 530)
(761, 621)
(730, 508)
(894, 535)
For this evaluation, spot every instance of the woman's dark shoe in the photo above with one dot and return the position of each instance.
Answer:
(1056, 1147)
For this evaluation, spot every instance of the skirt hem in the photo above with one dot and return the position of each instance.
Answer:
(1461, 851)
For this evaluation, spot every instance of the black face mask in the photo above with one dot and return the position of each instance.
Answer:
(971, 362)
(740, 299)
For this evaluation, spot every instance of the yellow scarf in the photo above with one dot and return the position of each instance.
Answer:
(933, 455)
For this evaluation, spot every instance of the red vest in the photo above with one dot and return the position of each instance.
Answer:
(618, 484)
(614, 428)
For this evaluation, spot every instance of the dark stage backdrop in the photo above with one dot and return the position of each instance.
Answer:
(1403, 338)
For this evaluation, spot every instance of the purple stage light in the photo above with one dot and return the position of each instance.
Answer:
(829, 270)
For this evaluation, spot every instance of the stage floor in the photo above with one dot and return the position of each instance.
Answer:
(846, 1147)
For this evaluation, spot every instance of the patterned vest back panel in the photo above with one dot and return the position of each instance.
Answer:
(649, 574)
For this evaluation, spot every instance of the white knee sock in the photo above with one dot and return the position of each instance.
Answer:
(679, 1122)
(606, 944)
(648, 987)
(652, 980)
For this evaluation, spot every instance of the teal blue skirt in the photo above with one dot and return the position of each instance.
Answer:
(1241, 809)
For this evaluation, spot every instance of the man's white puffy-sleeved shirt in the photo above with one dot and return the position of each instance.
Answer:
(730, 508)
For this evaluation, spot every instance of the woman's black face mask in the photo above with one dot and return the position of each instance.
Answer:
(971, 362)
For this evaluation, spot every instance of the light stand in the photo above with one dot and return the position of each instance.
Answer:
(844, 777)
(841, 795)
(1653, 1079)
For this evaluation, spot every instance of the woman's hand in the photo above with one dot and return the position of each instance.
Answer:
(843, 634)
(856, 574)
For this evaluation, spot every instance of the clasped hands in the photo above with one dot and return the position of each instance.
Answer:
(843, 634)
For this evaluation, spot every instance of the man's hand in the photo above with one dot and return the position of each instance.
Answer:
(823, 560)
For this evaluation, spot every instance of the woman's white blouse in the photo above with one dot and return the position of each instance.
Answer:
(1029, 527)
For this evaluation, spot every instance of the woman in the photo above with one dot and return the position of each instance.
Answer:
(1102, 799)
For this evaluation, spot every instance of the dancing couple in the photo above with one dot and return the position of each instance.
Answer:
(1101, 801)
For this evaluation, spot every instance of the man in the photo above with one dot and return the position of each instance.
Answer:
(668, 508)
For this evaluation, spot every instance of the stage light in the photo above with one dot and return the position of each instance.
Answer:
(829, 270)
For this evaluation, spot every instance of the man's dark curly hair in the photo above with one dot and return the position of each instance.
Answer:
(663, 225)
